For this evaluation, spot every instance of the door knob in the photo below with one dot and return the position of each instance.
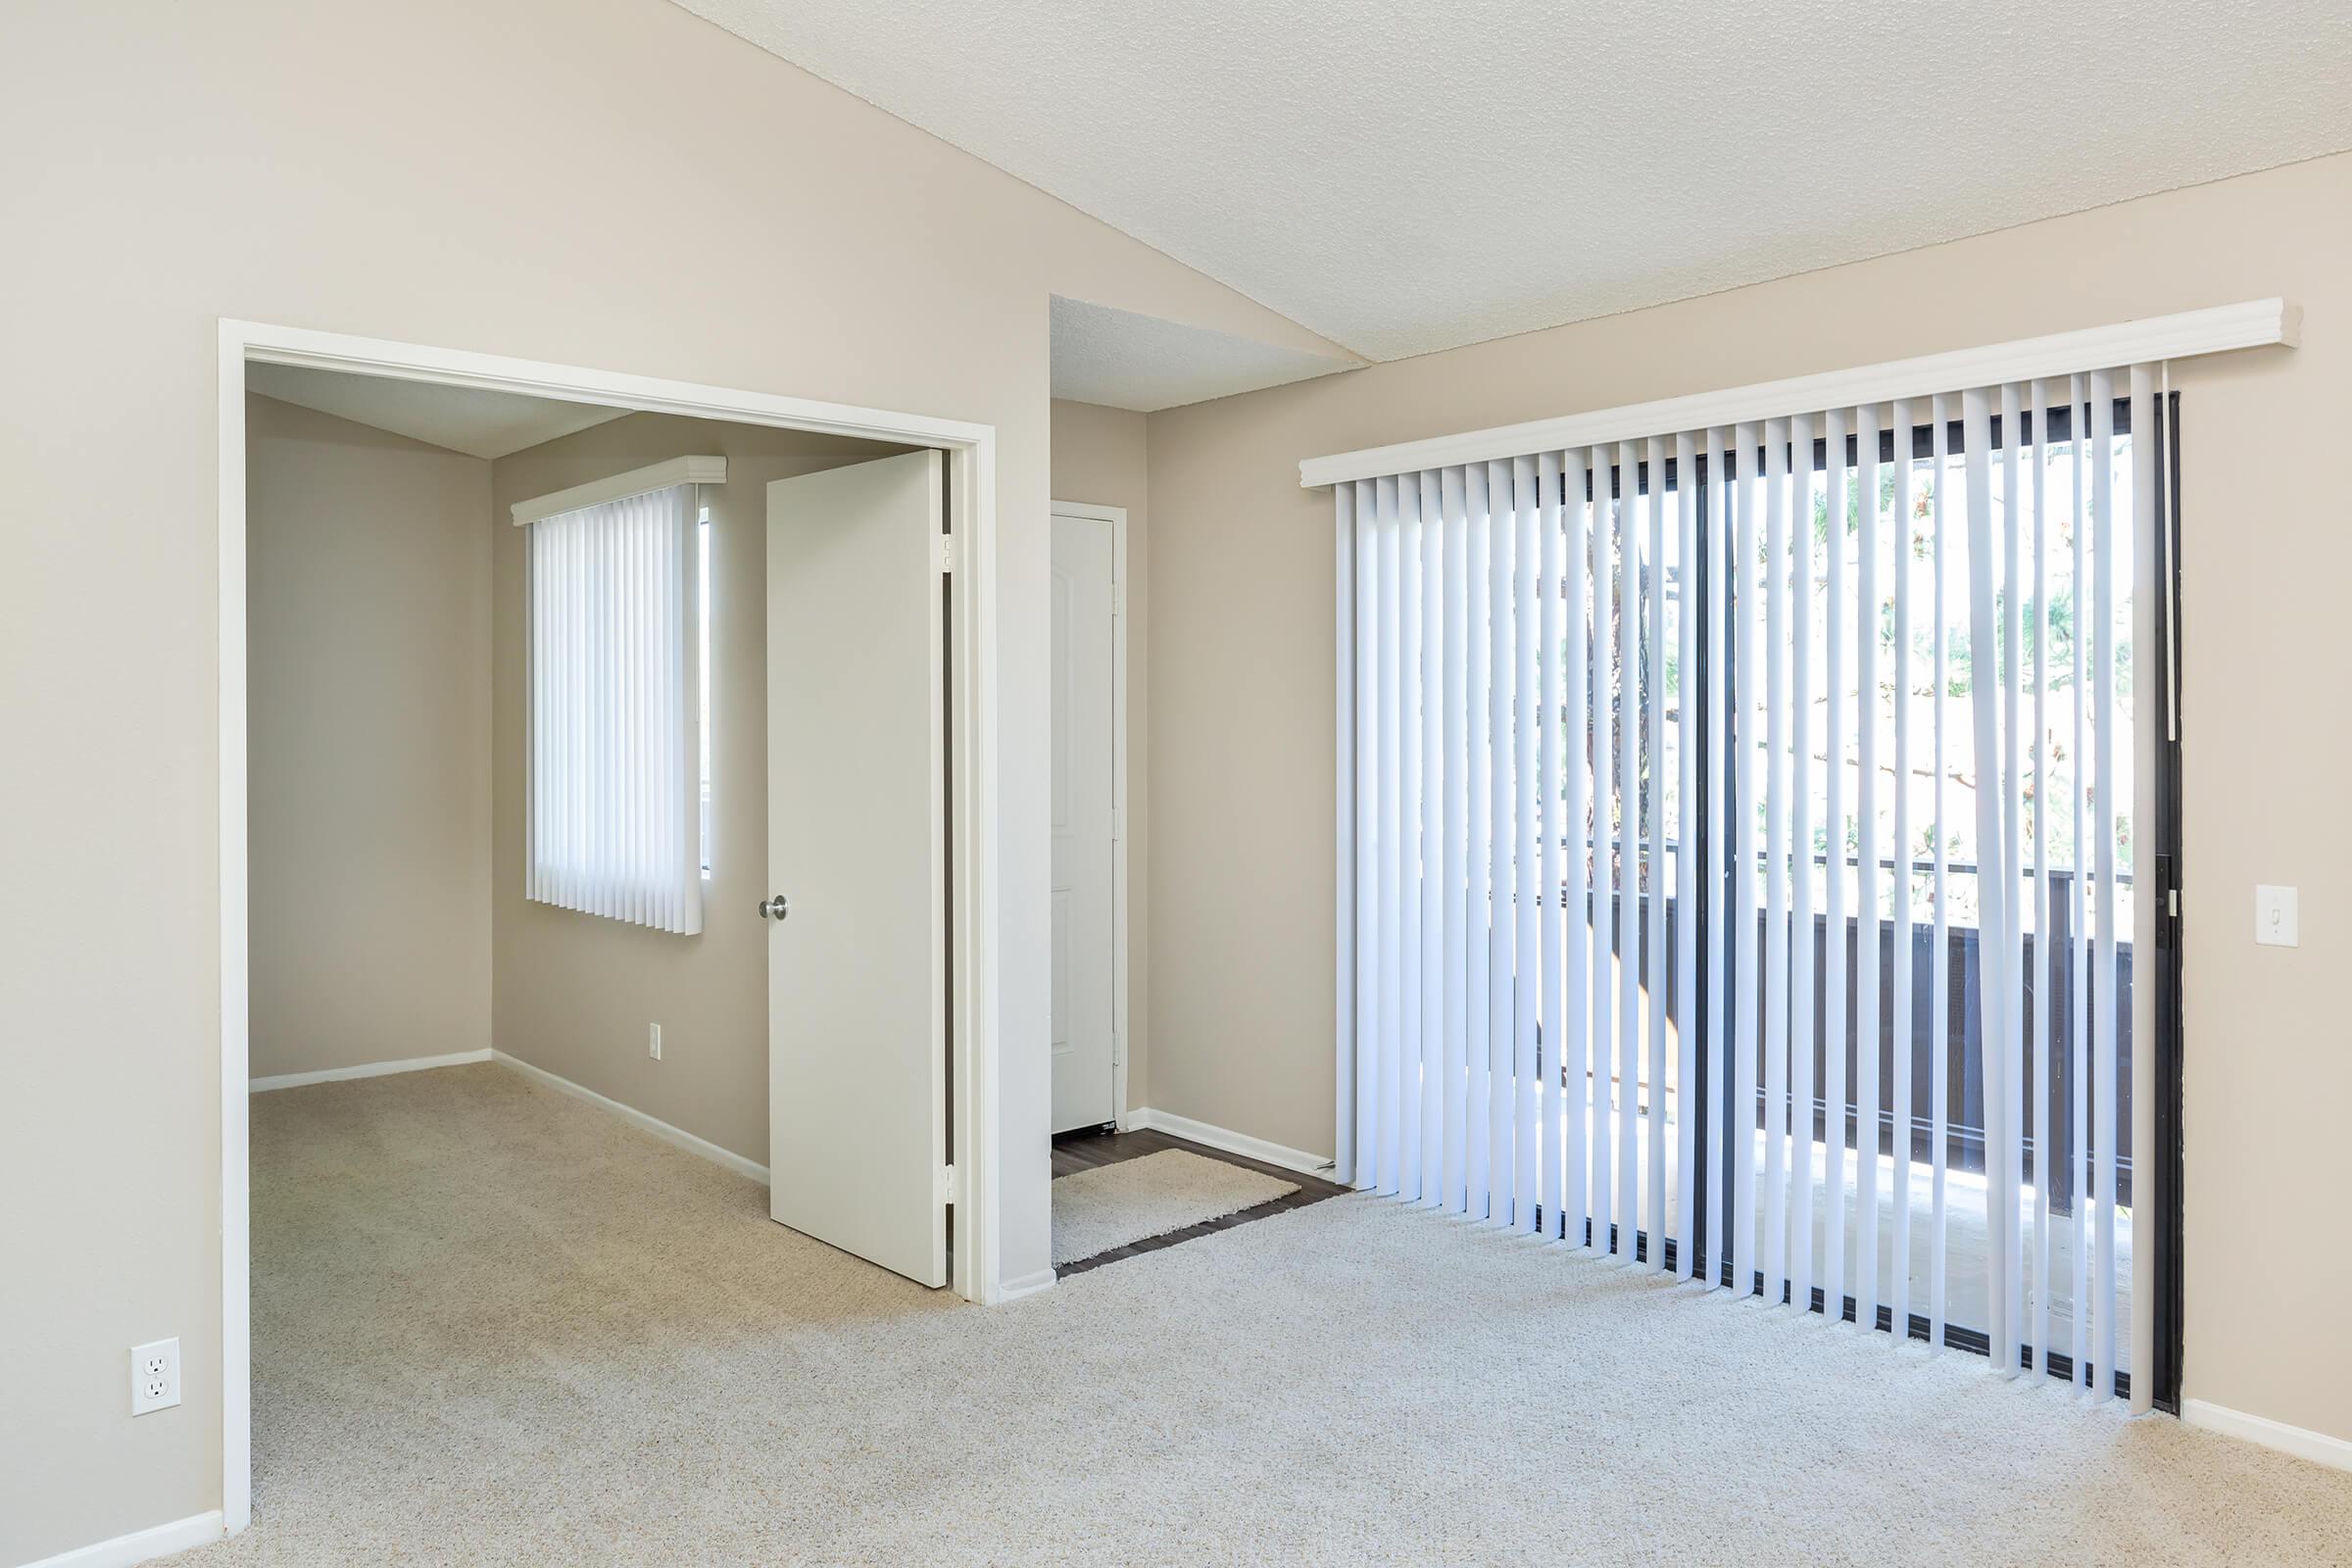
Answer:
(775, 908)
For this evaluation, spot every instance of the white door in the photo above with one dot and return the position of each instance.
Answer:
(1084, 821)
(856, 848)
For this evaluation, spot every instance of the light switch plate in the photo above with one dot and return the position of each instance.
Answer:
(2276, 920)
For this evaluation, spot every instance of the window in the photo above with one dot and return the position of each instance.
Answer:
(618, 766)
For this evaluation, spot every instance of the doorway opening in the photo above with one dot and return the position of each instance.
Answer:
(628, 414)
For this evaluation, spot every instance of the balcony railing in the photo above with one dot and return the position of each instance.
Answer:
(2052, 986)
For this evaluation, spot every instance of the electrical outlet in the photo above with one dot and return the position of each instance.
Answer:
(153, 1376)
(653, 1041)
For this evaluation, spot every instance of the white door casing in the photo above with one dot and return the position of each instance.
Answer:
(856, 786)
(971, 456)
(1085, 805)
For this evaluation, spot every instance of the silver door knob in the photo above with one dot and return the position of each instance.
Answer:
(775, 908)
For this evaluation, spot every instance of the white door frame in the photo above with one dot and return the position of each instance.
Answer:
(1116, 517)
(972, 704)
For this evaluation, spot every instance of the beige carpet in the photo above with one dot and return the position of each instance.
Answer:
(1151, 1195)
(493, 1325)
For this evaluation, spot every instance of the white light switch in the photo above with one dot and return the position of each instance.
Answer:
(2275, 919)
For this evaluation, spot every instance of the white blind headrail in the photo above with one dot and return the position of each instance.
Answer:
(689, 471)
(2250, 323)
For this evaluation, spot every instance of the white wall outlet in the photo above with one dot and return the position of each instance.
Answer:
(2276, 920)
(653, 1041)
(153, 1376)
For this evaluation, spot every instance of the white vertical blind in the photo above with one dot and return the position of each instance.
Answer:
(1353, 630)
(2045, 974)
(1869, 846)
(1783, 771)
(1990, 802)
(1629, 848)
(1836, 707)
(1904, 1030)
(1358, 515)
(1777, 721)
(1478, 896)
(1412, 713)
(2008, 1147)
(614, 824)
(1653, 883)
(2153, 553)
(1454, 875)
(1600, 1213)
(1748, 865)
(1503, 682)
(1434, 902)
(1802, 1003)
(1527, 999)
(2079, 904)
(1392, 908)
(1687, 708)
(1939, 977)
(1575, 1046)
(2103, 871)
(1553, 720)
(1718, 835)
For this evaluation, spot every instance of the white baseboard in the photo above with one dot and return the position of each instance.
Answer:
(140, 1546)
(2317, 1446)
(365, 1069)
(1026, 1284)
(638, 1118)
(1232, 1143)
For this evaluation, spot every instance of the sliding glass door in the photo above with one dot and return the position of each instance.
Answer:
(1748, 841)
(1887, 1121)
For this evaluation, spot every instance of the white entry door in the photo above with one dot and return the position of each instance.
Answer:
(856, 853)
(1085, 826)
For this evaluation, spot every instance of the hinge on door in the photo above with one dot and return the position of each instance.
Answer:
(948, 551)
(1118, 823)
(947, 1185)
(1118, 600)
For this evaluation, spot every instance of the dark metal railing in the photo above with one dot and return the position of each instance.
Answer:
(2052, 984)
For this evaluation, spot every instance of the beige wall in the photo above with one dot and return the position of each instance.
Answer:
(573, 992)
(367, 602)
(1099, 456)
(444, 172)
(1242, 926)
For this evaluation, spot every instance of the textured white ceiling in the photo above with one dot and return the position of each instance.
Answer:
(468, 420)
(1125, 360)
(1403, 176)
